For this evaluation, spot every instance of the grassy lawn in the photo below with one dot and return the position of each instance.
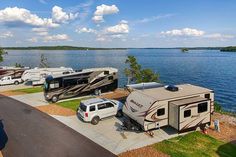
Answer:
(71, 104)
(195, 144)
(29, 90)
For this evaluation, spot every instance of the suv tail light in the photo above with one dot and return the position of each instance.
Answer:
(86, 114)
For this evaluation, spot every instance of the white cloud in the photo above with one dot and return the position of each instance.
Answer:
(17, 16)
(121, 28)
(219, 36)
(58, 37)
(7, 34)
(85, 30)
(43, 1)
(33, 40)
(59, 16)
(153, 18)
(40, 31)
(101, 39)
(184, 32)
(102, 10)
(98, 19)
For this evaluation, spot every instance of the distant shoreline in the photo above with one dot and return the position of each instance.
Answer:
(228, 49)
(94, 48)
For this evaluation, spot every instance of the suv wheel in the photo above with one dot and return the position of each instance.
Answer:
(16, 82)
(119, 113)
(54, 98)
(95, 120)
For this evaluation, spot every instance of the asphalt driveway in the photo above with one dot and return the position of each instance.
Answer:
(27, 132)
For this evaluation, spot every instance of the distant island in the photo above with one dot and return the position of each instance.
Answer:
(229, 49)
(184, 49)
(59, 48)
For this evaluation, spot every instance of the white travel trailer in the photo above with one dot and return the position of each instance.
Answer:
(37, 75)
(183, 107)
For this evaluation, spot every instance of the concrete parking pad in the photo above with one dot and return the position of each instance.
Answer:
(107, 134)
(35, 99)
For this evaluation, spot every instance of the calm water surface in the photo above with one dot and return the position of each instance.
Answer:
(208, 68)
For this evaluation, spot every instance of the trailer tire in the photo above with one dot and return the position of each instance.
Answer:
(95, 120)
(119, 113)
(16, 82)
(54, 98)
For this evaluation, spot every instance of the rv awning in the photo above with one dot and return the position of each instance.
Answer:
(141, 86)
(188, 101)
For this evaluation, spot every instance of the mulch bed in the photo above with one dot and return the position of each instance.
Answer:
(227, 128)
(147, 151)
(11, 93)
(53, 109)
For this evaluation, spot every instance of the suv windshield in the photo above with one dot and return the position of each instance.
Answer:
(82, 107)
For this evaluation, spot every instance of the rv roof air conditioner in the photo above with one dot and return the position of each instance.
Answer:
(171, 88)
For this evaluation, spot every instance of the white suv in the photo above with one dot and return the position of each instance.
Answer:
(92, 110)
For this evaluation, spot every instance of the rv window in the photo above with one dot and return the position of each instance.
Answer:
(161, 112)
(207, 96)
(110, 78)
(82, 81)
(70, 82)
(202, 107)
(92, 108)
(101, 106)
(187, 113)
(106, 72)
(54, 85)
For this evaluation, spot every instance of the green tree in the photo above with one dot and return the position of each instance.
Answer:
(134, 69)
(18, 65)
(147, 75)
(136, 74)
(2, 52)
(43, 62)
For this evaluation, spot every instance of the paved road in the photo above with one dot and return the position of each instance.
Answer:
(31, 133)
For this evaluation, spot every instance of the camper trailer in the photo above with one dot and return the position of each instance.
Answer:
(13, 72)
(182, 107)
(37, 75)
(82, 82)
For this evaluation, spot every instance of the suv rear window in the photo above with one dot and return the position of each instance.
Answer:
(82, 107)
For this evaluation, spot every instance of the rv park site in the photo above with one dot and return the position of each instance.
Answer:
(108, 134)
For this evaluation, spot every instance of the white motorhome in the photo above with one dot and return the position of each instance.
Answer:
(182, 107)
(37, 75)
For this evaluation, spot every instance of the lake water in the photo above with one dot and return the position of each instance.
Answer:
(208, 68)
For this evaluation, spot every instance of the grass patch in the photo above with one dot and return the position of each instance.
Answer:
(195, 144)
(71, 104)
(29, 90)
(219, 109)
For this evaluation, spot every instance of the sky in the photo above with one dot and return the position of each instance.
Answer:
(118, 23)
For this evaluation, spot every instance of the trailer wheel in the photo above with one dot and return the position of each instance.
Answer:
(95, 120)
(119, 113)
(54, 98)
(16, 82)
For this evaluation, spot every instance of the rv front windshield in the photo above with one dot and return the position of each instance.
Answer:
(46, 86)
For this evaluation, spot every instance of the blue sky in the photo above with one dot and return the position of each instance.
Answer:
(118, 23)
